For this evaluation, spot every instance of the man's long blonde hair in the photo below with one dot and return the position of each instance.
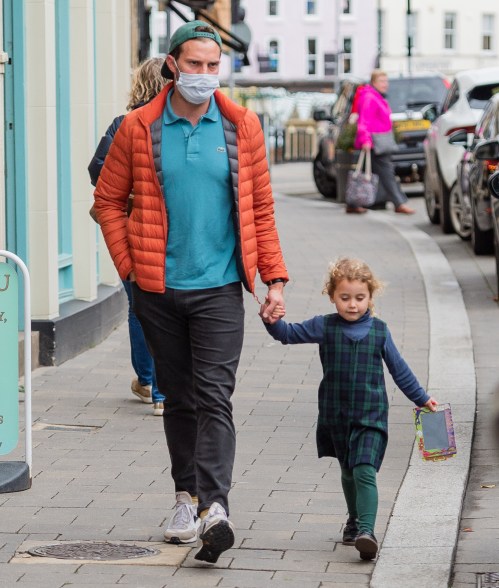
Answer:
(147, 82)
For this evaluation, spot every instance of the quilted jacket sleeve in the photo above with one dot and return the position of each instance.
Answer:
(95, 166)
(111, 195)
(270, 259)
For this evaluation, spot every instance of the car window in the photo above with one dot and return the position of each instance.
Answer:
(485, 126)
(478, 96)
(452, 97)
(414, 93)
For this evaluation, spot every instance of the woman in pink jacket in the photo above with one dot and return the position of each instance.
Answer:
(374, 117)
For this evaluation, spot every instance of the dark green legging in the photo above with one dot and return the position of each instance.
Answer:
(361, 494)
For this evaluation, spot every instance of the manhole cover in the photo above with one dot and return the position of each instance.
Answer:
(488, 580)
(99, 550)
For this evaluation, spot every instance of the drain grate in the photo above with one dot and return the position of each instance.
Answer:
(488, 580)
(97, 550)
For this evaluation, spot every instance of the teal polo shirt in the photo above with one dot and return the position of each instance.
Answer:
(201, 244)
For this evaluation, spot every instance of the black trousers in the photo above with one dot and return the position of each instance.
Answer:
(195, 338)
(388, 189)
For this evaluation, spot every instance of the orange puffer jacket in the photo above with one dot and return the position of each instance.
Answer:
(133, 165)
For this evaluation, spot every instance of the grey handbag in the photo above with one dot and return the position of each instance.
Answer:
(384, 143)
(361, 187)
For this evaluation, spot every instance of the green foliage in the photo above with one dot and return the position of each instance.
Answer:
(346, 137)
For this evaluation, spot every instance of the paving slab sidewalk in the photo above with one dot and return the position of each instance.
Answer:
(106, 477)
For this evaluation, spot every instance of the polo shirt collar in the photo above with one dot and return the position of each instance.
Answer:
(169, 116)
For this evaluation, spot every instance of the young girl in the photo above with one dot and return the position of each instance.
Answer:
(353, 406)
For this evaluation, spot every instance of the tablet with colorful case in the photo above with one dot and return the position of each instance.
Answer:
(435, 433)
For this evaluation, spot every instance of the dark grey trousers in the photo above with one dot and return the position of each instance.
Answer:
(195, 338)
(388, 189)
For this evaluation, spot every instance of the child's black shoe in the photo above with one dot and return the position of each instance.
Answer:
(366, 545)
(350, 531)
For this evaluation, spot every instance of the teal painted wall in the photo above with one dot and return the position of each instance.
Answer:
(16, 193)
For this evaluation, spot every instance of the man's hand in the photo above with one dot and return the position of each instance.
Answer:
(278, 312)
(131, 276)
(273, 308)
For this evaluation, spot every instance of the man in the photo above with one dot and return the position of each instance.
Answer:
(202, 223)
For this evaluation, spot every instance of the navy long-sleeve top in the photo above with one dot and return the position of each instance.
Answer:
(312, 331)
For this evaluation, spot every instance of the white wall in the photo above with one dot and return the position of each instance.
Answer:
(429, 53)
(82, 147)
(91, 112)
(293, 27)
(113, 78)
(41, 157)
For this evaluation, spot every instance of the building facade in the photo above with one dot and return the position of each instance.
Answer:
(309, 44)
(446, 36)
(65, 73)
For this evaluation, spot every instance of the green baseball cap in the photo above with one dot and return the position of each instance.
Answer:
(187, 32)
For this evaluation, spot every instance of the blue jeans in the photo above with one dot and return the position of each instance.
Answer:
(195, 337)
(142, 361)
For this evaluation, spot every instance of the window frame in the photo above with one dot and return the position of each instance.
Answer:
(346, 56)
(313, 14)
(276, 4)
(312, 57)
(278, 42)
(450, 33)
(487, 33)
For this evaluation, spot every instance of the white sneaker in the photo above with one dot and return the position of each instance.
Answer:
(158, 409)
(183, 526)
(217, 534)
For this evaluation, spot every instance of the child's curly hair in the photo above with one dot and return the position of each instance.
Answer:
(350, 269)
(147, 82)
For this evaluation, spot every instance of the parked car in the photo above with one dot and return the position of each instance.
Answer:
(469, 204)
(492, 148)
(462, 108)
(409, 98)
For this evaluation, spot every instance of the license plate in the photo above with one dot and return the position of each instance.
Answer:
(411, 125)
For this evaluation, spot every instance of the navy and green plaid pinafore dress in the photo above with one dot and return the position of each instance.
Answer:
(353, 406)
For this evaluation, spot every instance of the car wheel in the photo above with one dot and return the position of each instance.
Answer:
(324, 182)
(445, 219)
(459, 213)
(481, 241)
(430, 200)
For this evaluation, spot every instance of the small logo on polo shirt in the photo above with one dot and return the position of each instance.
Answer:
(221, 149)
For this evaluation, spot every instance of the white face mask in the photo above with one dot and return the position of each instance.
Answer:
(196, 88)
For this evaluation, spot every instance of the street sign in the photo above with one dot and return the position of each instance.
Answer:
(14, 475)
(9, 360)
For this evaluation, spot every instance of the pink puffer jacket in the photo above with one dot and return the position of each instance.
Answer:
(374, 116)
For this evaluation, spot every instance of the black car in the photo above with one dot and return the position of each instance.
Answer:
(409, 99)
(492, 149)
(469, 204)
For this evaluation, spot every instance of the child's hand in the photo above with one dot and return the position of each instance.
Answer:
(278, 312)
(431, 404)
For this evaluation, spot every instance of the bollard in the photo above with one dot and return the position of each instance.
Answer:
(14, 475)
